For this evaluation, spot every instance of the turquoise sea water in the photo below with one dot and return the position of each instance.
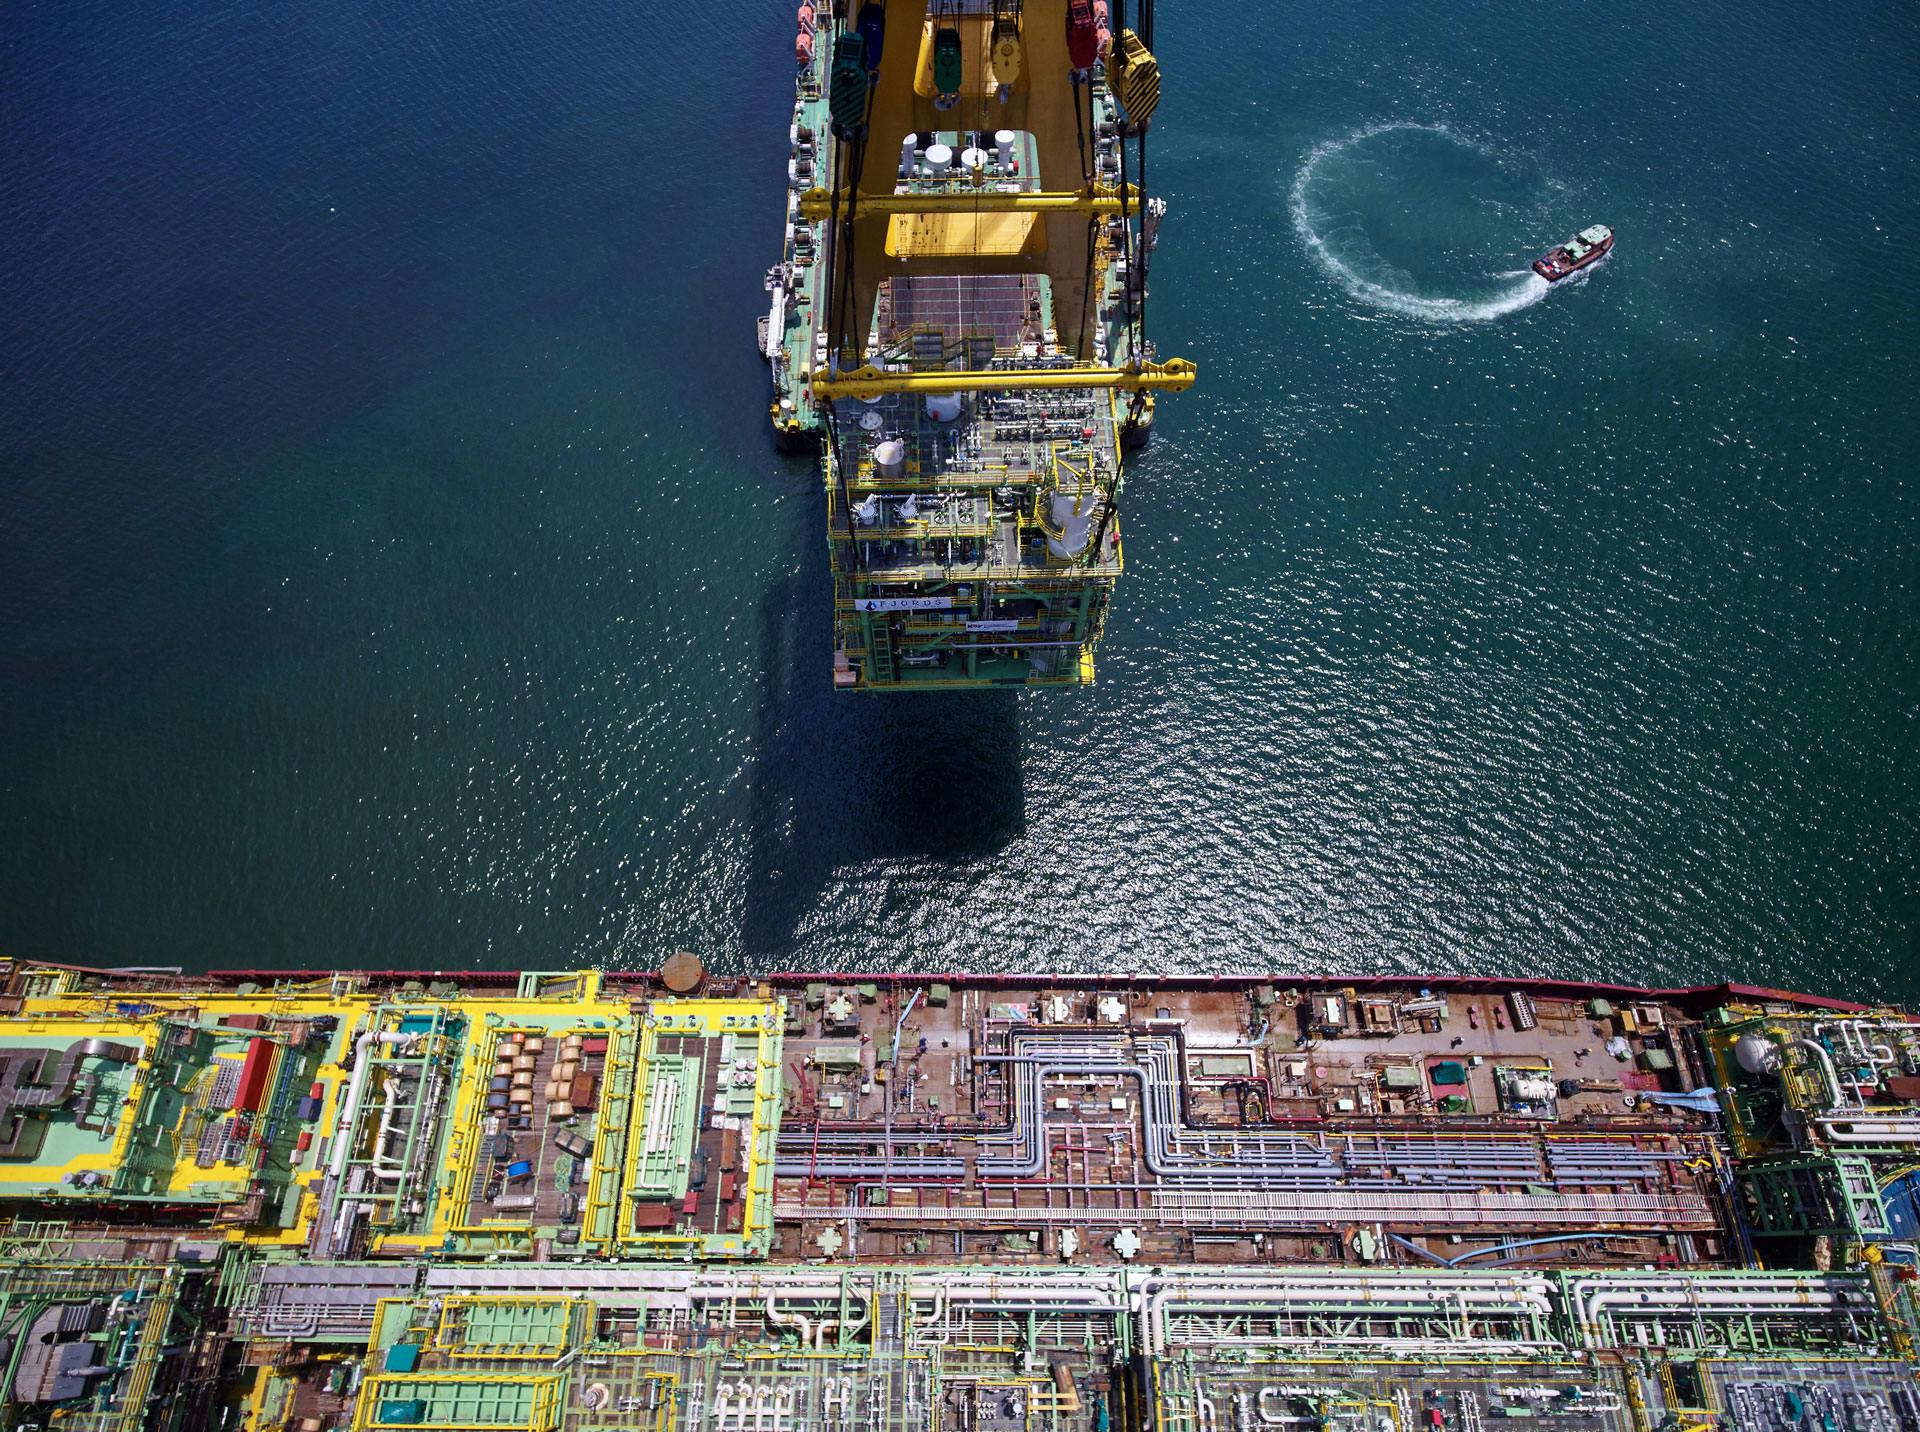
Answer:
(393, 569)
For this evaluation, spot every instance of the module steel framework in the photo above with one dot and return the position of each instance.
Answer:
(958, 323)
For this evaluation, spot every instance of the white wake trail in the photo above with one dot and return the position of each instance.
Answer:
(1523, 289)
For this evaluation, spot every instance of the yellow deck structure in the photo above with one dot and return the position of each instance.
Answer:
(964, 286)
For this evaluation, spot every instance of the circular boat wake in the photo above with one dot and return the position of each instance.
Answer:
(1408, 218)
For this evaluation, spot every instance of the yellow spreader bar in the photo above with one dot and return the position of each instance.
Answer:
(1175, 375)
(817, 204)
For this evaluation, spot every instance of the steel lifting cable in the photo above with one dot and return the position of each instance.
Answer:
(845, 289)
(1106, 518)
(1080, 136)
(1126, 239)
(834, 256)
(1106, 514)
(846, 75)
(1139, 86)
(1126, 217)
(1086, 285)
(840, 467)
(983, 135)
(1143, 242)
(856, 67)
(1093, 138)
(1089, 166)
(1145, 33)
(1126, 242)
(843, 250)
(1146, 24)
(1137, 404)
(964, 293)
(1087, 141)
(853, 205)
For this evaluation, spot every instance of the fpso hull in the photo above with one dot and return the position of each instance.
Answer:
(371, 1200)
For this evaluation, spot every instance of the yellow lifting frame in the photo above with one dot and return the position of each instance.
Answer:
(817, 204)
(1175, 375)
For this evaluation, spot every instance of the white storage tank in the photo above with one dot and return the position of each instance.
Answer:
(1757, 1054)
(943, 407)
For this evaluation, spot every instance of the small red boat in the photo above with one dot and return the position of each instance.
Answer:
(1589, 246)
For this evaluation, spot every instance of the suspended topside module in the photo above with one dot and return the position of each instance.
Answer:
(959, 321)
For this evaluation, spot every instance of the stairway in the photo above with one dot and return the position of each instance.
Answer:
(880, 664)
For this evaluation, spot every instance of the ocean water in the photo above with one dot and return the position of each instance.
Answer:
(393, 569)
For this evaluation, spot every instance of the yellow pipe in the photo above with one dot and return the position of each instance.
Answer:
(1175, 375)
(817, 204)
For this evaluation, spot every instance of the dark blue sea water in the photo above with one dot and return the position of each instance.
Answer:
(393, 569)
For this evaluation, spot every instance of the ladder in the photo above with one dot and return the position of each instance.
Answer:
(600, 1219)
(880, 667)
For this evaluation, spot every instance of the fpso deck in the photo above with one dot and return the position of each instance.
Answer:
(868, 1204)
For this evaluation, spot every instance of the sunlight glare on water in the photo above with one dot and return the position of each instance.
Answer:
(397, 571)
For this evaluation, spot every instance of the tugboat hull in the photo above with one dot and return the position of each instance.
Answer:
(1586, 249)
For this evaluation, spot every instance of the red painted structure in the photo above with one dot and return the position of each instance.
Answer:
(253, 1076)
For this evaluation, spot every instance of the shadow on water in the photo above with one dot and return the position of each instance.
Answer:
(845, 779)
